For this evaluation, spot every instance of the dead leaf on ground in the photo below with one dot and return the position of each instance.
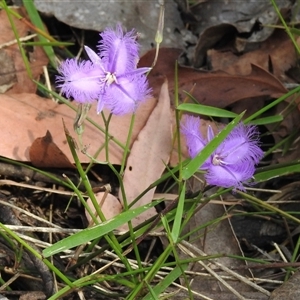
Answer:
(26, 117)
(278, 48)
(110, 207)
(217, 88)
(148, 156)
(44, 153)
(288, 290)
(36, 55)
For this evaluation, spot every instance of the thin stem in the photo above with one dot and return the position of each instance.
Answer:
(127, 150)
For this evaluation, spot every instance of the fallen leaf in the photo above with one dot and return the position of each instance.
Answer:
(44, 153)
(288, 290)
(26, 117)
(148, 156)
(278, 48)
(110, 207)
(215, 88)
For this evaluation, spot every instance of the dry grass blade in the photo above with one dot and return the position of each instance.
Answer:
(185, 246)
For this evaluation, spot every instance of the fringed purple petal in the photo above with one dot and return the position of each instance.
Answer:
(79, 80)
(233, 162)
(230, 176)
(119, 50)
(124, 96)
(241, 144)
(190, 128)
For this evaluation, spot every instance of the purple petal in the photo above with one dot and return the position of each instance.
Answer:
(93, 56)
(80, 80)
(210, 133)
(241, 144)
(119, 50)
(123, 96)
(190, 128)
(230, 176)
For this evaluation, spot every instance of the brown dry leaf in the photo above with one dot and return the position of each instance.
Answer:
(149, 155)
(26, 117)
(288, 290)
(110, 207)
(44, 153)
(278, 48)
(217, 88)
(37, 57)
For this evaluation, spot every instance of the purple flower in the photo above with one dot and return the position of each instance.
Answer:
(234, 160)
(110, 77)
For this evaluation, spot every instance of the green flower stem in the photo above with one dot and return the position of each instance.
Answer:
(107, 136)
(68, 103)
(127, 150)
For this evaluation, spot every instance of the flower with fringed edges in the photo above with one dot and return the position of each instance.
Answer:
(233, 162)
(111, 77)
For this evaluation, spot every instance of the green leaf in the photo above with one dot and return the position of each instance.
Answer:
(268, 120)
(178, 217)
(37, 21)
(206, 110)
(168, 280)
(97, 231)
(274, 171)
(198, 161)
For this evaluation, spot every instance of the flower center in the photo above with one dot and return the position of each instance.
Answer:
(217, 160)
(110, 78)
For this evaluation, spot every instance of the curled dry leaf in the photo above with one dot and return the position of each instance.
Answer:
(216, 88)
(44, 153)
(278, 49)
(149, 155)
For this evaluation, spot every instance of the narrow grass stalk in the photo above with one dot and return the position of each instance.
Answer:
(274, 103)
(150, 275)
(268, 206)
(14, 29)
(38, 255)
(68, 103)
(39, 28)
(287, 29)
(127, 150)
(110, 238)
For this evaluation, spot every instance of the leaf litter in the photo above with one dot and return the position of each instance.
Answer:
(236, 80)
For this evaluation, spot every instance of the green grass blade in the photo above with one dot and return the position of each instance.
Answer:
(271, 105)
(206, 110)
(268, 120)
(97, 231)
(37, 21)
(275, 171)
(178, 217)
(167, 281)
